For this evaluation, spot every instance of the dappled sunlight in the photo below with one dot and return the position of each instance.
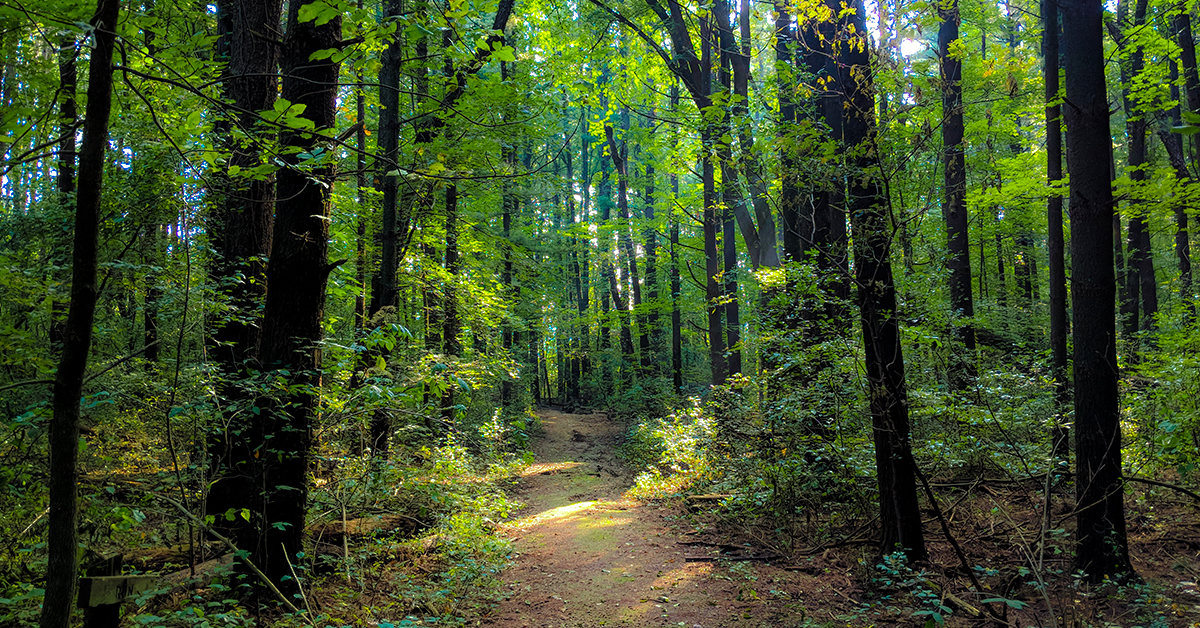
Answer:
(586, 513)
(548, 467)
(561, 513)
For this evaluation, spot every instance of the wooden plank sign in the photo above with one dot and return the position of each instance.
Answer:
(102, 590)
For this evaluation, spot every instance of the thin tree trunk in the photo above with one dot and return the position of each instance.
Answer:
(67, 116)
(583, 287)
(362, 183)
(1182, 24)
(676, 283)
(508, 201)
(752, 169)
(652, 350)
(1059, 434)
(789, 194)
(712, 220)
(1173, 143)
(954, 209)
(731, 195)
(62, 566)
(153, 294)
(387, 164)
(619, 156)
(451, 325)
(1135, 129)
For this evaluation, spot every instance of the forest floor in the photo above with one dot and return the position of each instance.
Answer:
(586, 556)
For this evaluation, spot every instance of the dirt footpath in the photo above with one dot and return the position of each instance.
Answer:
(586, 556)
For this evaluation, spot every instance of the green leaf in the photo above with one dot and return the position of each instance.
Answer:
(504, 53)
(320, 12)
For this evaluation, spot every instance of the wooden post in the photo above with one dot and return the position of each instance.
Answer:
(100, 597)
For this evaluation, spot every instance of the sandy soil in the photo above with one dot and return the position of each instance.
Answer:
(586, 556)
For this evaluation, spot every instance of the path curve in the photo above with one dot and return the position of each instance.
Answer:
(586, 556)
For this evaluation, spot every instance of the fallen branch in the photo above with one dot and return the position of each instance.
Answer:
(237, 552)
(1042, 476)
(713, 559)
(958, 550)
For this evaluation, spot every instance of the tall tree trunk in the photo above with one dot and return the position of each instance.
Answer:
(451, 326)
(900, 514)
(577, 343)
(241, 233)
(1182, 23)
(619, 156)
(676, 283)
(731, 194)
(752, 169)
(583, 288)
(712, 219)
(789, 193)
(62, 565)
(1001, 281)
(388, 164)
(1135, 130)
(295, 305)
(362, 183)
(508, 202)
(652, 349)
(67, 116)
(1101, 542)
(1054, 232)
(153, 294)
(1141, 257)
(954, 208)
(1173, 143)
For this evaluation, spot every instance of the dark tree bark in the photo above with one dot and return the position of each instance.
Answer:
(1173, 143)
(619, 156)
(62, 566)
(954, 208)
(1182, 23)
(388, 163)
(1101, 542)
(1135, 129)
(241, 233)
(1054, 231)
(508, 205)
(67, 114)
(789, 194)
(652, 347)
(900, 514)
(583, 286)
(295, 305)
(712, 220)
(451, 325)
(695, 72)
(731, 194)
(362, 184)
(575, 287)
(1140, 256)
(767, 253)
(676, 283)
(153, 294)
